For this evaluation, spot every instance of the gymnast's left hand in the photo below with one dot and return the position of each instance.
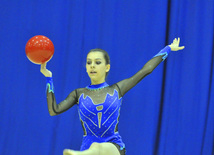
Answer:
(175, 45)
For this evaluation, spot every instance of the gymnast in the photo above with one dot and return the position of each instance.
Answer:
(99, 104)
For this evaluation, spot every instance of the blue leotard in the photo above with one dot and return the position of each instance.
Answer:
(100, 119)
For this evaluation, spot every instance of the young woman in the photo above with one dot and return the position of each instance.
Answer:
(99, 104)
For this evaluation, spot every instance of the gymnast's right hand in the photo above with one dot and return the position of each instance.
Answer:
(45, 71)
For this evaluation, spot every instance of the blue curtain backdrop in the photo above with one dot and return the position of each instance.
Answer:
(169, 112)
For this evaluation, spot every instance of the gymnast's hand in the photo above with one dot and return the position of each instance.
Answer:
(45, 71)
(175, 45)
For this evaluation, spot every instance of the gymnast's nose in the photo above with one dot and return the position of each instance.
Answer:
(92, 65)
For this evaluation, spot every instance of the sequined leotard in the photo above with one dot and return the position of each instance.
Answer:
(99, 105)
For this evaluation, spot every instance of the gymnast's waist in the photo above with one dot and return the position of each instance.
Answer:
(89, 139)
(112, 138)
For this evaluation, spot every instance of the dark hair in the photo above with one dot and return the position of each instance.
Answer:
(105, 55)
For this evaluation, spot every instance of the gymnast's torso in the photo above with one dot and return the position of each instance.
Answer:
(99, 111)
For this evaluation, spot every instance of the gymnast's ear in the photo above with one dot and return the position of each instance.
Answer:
(107, 67)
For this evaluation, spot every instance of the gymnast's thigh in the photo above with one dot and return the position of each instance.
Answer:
(105, 148)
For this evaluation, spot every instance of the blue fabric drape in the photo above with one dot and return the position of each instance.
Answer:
(169, 112)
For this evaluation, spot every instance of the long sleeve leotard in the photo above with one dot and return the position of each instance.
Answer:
(99, 105)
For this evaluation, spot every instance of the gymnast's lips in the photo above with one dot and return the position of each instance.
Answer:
(93, 72)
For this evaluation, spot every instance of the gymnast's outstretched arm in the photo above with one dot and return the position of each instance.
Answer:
(53, 107)
(127, 84)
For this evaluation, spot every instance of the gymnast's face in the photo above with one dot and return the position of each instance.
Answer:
(96, 67)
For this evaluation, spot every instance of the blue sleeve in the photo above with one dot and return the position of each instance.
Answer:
(164, 52)
(49, 84)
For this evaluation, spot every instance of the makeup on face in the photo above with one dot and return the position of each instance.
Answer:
(95, 66)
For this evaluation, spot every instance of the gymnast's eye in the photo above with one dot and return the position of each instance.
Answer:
(98, 62)
(88, 62)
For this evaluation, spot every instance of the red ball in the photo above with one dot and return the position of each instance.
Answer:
(39, 49)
